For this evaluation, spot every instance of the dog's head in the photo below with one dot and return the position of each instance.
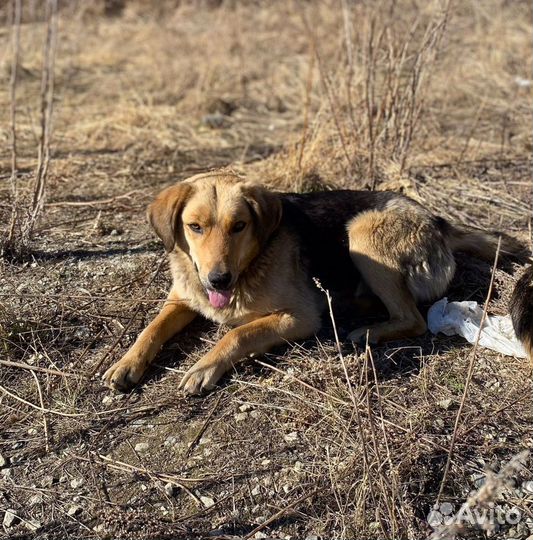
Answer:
(221, 222)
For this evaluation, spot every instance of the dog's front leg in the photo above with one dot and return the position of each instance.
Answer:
(173, 317)
(255, 337)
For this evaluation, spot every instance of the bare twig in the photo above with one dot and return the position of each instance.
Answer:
(42, 409)
(21, 365)
(47, 100)
(468, 376)
(16, 14)
(280, 513)
(45, 421)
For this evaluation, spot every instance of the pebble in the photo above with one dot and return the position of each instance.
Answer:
(10, 517)
(291, 437)
(207, 501)
(240, 417)
(6, 472)
(142, 447)
(245, 407)
(35, 499)
(170, 441)
(169, 489)
(444, 404)
(32, 525)
(528, 486)
(256, 491)
(74, 510)
(76, 482)
(107, 400)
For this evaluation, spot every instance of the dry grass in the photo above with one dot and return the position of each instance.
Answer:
(427, 98)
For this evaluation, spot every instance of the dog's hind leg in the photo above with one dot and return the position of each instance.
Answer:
(403, 258)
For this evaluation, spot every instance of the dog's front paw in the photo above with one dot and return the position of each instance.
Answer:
(124, 374)
(202, 376)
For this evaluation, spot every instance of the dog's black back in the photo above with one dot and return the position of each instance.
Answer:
(319, 220)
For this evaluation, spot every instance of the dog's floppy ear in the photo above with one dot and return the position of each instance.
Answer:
(164, 213)
(265, 207)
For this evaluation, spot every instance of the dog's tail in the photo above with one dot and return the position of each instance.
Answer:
(483, 244)
(521, 309)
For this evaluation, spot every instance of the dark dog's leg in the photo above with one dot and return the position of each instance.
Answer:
(173, 317)
(255, 337)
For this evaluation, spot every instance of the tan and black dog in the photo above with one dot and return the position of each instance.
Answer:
(246, 256)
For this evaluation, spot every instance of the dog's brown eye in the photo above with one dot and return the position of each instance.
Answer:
(196, 228)
(238, 227)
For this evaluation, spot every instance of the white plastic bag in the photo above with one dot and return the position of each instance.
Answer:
(464, 318)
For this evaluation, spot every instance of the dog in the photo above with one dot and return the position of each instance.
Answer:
(245, 256)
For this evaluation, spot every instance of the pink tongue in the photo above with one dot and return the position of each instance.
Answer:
(219, 299)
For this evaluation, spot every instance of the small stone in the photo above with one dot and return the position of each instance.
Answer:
(74, 510)
(256, 491)
(99, 528)
(3, 461)
(291, 437)
(35, 499)
(528, 486)
(47, 481)
(76, 483)
(240, 417)
(107, 400)
(478, 480)
(266, 462)
(10, 518)
(260, 534)
(298, 467)
(169, 489)
(170, 441)
(286, 488)
(245, 407)
(142, 447)
(444, 404)
(32, 525)
(255, 414)
(208, 502)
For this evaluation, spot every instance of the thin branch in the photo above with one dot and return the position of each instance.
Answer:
(16, 15)
(469, 376)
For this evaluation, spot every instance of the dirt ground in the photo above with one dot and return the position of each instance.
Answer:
(422, 97)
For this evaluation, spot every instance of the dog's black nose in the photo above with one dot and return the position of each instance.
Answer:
(219, 280)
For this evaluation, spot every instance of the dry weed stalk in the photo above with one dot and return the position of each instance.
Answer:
(16, 9)
(24, 216)
(47, 101)
(469, 374)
